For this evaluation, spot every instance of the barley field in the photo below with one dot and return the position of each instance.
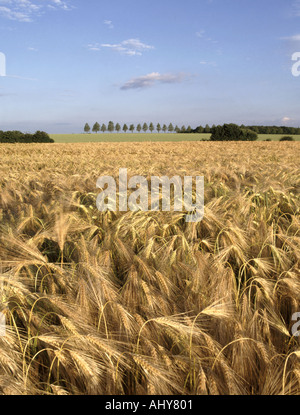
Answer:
(143, 303)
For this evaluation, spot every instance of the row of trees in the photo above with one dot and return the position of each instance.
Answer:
(258, 129)
(19, 137)
(111, 127)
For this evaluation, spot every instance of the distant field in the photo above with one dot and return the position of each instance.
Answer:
(120, 137)
(128, 137)
(276, 137)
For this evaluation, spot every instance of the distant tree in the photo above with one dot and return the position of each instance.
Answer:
(207, 129)
(232, 132)
(125, 128)
(170, 128)
(158, 128)
(19, 137)
(248, 135)
(139, 128)
(183, 129)
(96, 127)
(111, 127)
(118, 127)
(145, 127)
(131, 128)
(41, 137)
(151, 127)
(189, 129)
(164, 128)
(287, 138)
(177, 129)
(27, 138)
(103, 128)
(87, 128)
(199, 129)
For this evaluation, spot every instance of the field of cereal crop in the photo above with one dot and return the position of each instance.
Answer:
(142, 302)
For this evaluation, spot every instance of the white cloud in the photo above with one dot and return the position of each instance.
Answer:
(130, 47)
(109, 24)
(152, 78)
(286, 119)
(200, 33)
(293, 38)
(27, 10)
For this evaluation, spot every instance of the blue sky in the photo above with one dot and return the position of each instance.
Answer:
(187, 62)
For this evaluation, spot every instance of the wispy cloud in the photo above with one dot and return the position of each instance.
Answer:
(202, 35)
(109, 24)
(208, 63)
(151, 79)
(296, 8)
(27, 10)
(293, 38)
(130, 47)
(21, 77)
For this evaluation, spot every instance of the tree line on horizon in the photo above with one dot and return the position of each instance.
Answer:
(258, 129)
(15, 136)
(111, 127)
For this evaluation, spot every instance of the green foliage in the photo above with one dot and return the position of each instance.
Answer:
(258, 129)
(171, 128)
(248, 135)
(19, 137)
(87, 128)
(287, 138)
(199, 130)
(232, 132)
(207, 129)
(111, 127)
(96, 127)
